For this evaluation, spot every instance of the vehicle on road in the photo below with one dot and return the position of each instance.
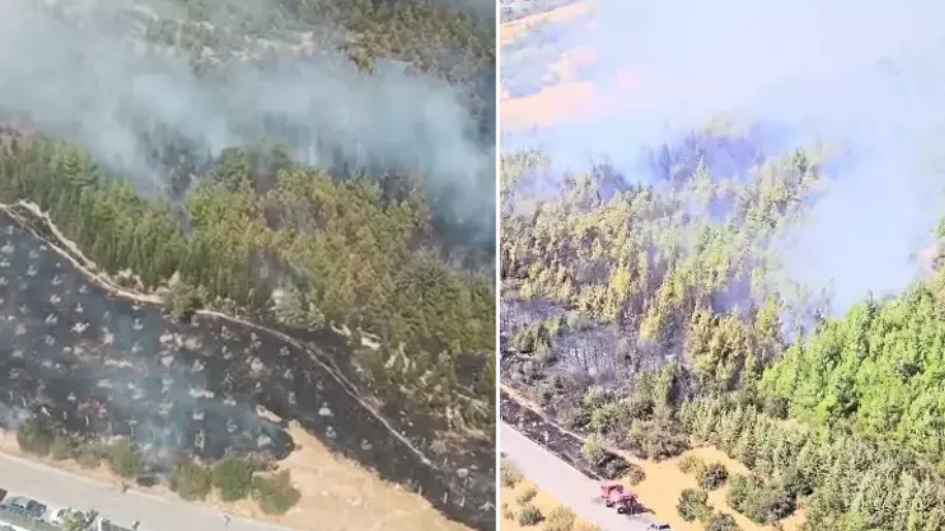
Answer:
(614, 495)
(26, 507)
(103, 524)
(655, 525)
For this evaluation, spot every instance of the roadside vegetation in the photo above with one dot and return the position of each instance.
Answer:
(232, 479)
(524, 507)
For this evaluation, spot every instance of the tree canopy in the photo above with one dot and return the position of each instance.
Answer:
(654, 309)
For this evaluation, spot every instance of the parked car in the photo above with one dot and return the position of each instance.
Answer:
(654, 525)
(107, 525)
(26, 506)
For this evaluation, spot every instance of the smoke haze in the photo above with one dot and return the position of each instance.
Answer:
(92, 80)
(863, 78)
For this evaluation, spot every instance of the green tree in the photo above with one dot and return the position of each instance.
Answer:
(275, 494)
(233, 478)
(191, 481)
(125, 458)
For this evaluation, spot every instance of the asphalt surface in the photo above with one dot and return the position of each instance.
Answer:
(57, 489)
(565, 483)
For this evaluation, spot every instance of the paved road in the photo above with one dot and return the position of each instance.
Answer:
(62, 489)
(565, 483)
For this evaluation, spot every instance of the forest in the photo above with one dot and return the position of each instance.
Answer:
(251, 229)
(655, 314)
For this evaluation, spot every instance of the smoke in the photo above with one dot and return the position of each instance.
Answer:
(865, 78)
(87, 76)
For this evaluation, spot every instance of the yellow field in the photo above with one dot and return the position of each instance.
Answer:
(545, 503)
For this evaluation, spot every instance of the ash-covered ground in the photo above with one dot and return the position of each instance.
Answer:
(563, 444)
(588, 352)
(103, 366)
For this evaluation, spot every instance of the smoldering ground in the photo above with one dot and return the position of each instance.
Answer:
(93, 80)
(102, 367)
(865, 79)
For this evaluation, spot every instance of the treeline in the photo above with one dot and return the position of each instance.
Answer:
(261, 233)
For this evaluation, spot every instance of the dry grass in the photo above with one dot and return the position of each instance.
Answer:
(664, 482)
(337, 494)
(544, 501)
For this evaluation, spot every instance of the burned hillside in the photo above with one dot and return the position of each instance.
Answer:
(607, 285)
(102, 367)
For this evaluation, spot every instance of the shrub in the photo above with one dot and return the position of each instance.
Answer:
(125, 458)
(635, 474)
(694, 505)
(690, 464)
(509, 474)
(527, 496)
(761, 503)
(712, 476)
(234, 478)
(191, 481)
(593, 448)
(275, 494)
(658, 439)
(529, 516)
(507, 512)
(575, 418)
(63, 447)
(89, 456)
(605, 418)
(796, 483)
(35, 436)
(560, 519)
(722, 522)
(75, 520)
